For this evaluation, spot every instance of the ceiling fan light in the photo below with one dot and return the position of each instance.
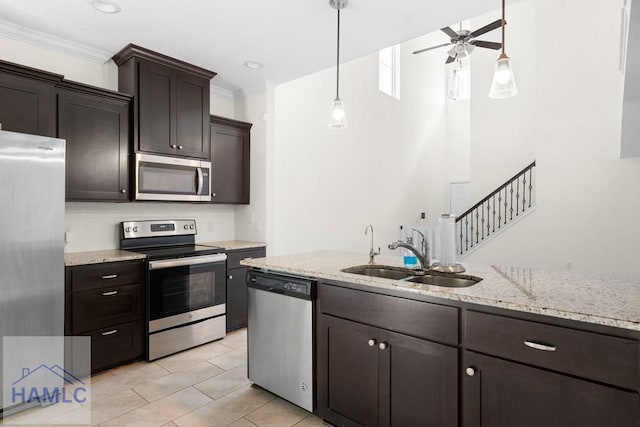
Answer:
(503, 84)
(338, 118)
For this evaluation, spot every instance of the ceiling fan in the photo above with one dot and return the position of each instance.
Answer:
(463, 41)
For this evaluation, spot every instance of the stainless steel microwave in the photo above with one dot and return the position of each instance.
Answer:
(172, 179)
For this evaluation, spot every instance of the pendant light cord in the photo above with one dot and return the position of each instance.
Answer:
(338, 60)
(503, 22)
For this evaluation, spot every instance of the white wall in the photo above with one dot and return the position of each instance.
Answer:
(384, 169)
(93, 226)
(587, 198)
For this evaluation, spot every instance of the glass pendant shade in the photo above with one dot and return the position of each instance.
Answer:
(338, 117)
(504, 84)
(455, 85)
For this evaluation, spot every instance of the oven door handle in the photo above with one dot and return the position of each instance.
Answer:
(180, 262)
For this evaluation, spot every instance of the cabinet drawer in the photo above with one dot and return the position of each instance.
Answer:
(589, 355)
(419, 319)
(100, 308)
(112, 346)
(234, 257)
(106, 275)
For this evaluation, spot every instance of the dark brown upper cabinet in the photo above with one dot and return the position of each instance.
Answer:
(171, 102)
(27, 99)
(230, 160)
(95, 123)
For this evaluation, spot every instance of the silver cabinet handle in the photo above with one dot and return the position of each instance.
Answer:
(174, 146)
(123, 191)
(382, 345)
(538, 346)
(230, 277)
(108, 294)
(180, 147)
(115, 331)
(213, 194)
(372, 343)
(110, 276)
(470, 372)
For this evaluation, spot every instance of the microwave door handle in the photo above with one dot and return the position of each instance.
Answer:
(200, 181)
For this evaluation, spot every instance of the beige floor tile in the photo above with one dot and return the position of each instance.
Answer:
(193, 356)
(310, 421)
(105, 409)
(123, 378)
(170, 424)
(176, 381)
(236, 339)
(161, 411)
(231, 360)
(242, 422)
(224, 383)
(40, 415)
(277, 413)
(229, 409)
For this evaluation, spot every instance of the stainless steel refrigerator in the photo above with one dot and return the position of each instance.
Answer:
(32, 183)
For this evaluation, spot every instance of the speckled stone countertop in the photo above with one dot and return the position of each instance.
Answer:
(97, 257)
(606, 301)
(232, 245)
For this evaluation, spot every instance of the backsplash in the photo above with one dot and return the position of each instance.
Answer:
(94, 226)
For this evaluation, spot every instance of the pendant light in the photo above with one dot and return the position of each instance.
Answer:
(338, 118)
(503, 85)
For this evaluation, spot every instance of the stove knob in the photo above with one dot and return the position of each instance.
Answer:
(128, 229)
(191, 226)
(186, 227)
(135, 229)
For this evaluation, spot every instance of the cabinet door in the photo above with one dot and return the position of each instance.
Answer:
(418, 382)
(347, 372)
(230, 151)
(192, 116)
(26, 105)
(236, 298)
(156, 115)
(506, 394)
(97, 134)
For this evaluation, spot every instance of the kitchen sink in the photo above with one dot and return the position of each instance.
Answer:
(386, 272)
(447, 280)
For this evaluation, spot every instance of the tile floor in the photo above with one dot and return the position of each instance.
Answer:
(204, 386)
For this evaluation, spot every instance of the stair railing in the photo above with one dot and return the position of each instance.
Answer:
(490, 215)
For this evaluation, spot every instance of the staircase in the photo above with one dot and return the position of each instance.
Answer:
(507, 204)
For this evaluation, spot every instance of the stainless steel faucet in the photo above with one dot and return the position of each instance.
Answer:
(422, 255)
(372, 252)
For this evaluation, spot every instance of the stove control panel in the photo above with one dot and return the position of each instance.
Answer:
(174, 227)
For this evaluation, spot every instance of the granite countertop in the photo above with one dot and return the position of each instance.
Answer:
(232, 245)
(97, 257)
(609, 301)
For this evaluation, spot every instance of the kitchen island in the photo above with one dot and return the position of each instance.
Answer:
(522, 347)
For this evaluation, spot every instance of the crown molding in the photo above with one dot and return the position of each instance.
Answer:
(220, 91)
(38, 38)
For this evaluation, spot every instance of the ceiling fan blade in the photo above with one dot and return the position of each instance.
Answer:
(450, 60)
(431, 48)
(449, 31)
(487, 28)
(486, 45)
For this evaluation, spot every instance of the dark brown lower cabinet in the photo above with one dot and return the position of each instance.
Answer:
(369, 376)
(105, 301)
(237, 286)
(498, 393)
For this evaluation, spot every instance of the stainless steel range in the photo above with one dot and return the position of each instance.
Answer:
(186, 285)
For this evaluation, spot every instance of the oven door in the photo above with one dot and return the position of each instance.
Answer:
(172, 178)
(185, 290)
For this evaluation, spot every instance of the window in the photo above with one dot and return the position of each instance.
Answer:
(389, 71)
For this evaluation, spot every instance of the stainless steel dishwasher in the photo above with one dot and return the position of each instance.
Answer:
(280, 335)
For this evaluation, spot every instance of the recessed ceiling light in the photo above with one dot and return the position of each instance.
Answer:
(105, 6)
(252, 65)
